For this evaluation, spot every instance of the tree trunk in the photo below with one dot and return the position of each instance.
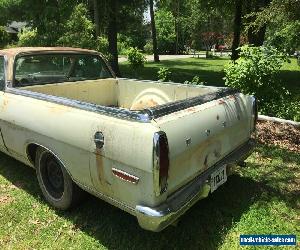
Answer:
(96, 18)
(177, 27)
(256, 37)
(237, 29)
(112, 37)
(154, 37)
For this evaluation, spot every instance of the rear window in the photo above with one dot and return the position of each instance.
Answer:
(54, 68)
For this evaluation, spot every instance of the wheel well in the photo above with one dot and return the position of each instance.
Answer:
(31, 152)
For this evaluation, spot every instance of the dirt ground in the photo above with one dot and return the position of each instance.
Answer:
(278, 134)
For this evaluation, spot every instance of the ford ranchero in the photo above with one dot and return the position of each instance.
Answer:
(150, 148)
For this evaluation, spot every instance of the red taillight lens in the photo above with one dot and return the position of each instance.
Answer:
(161, 161)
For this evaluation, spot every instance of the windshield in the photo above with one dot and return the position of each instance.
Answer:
(54, 68)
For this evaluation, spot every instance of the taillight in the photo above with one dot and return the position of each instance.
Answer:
(161, 162)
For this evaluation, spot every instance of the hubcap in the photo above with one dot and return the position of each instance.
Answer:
(52, 176)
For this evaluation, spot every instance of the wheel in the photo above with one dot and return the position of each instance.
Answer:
(56, 184)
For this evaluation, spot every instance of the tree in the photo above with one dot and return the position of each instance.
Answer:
(96, 18)
(165, 25)
(112, 32)
(4, 37)
(256, 36)
(237, 29)
(281, 17)
(154, 36)
(78, 29)
(287, 37)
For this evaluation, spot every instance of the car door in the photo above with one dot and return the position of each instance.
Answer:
(2, 86)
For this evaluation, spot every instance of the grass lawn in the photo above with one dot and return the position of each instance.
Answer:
(262, 198)
(209, 71)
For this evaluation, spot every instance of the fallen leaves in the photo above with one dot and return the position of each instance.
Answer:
(277, 134)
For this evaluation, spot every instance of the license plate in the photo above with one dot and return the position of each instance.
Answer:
(218, 178)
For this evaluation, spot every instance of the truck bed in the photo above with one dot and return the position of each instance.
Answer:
(122, 93)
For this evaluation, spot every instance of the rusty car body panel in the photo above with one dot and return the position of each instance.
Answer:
(205, 126)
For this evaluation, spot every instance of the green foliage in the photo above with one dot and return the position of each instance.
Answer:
(165, 26)
(79, 29)
(287, 38)
(4, 37)
(148, 48)
(136, 58)
(28, 37)
(102, 45)
(256, 73)
(164, 74)
(195, 81)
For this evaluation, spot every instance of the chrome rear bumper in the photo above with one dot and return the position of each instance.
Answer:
(157, 218)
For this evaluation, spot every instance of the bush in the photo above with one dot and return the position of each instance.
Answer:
(136, 59)
(102, 45)
(148, 48)
(256, 73)
(195, 81)
(164, 74)
(28, 37)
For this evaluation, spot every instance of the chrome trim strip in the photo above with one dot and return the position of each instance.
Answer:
(157, 218)
(179, 105)
(136, 179)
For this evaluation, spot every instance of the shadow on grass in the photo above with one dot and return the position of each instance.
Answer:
(209, 71)
(204, 226)
(291, 80)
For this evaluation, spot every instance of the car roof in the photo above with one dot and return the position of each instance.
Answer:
(15, 51)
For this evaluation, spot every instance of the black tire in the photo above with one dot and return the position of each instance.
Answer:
(56, 184)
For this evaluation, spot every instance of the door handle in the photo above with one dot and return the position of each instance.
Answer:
(99, 140)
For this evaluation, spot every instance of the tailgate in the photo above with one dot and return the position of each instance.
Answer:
(202, 135)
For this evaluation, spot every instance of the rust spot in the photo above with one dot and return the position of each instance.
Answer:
(100, 166)
(221, 101)
(192, 109)
(142, 104)
(206, 161)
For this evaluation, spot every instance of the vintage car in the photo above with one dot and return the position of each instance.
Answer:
(150, 148)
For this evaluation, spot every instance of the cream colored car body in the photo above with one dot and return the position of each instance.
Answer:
(199, 136)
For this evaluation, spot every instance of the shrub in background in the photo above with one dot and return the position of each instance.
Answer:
(148, 48)
(102, 46)
(28, 37)
(195, 81)
(136, 59)
(164, 74)
(256, 73)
